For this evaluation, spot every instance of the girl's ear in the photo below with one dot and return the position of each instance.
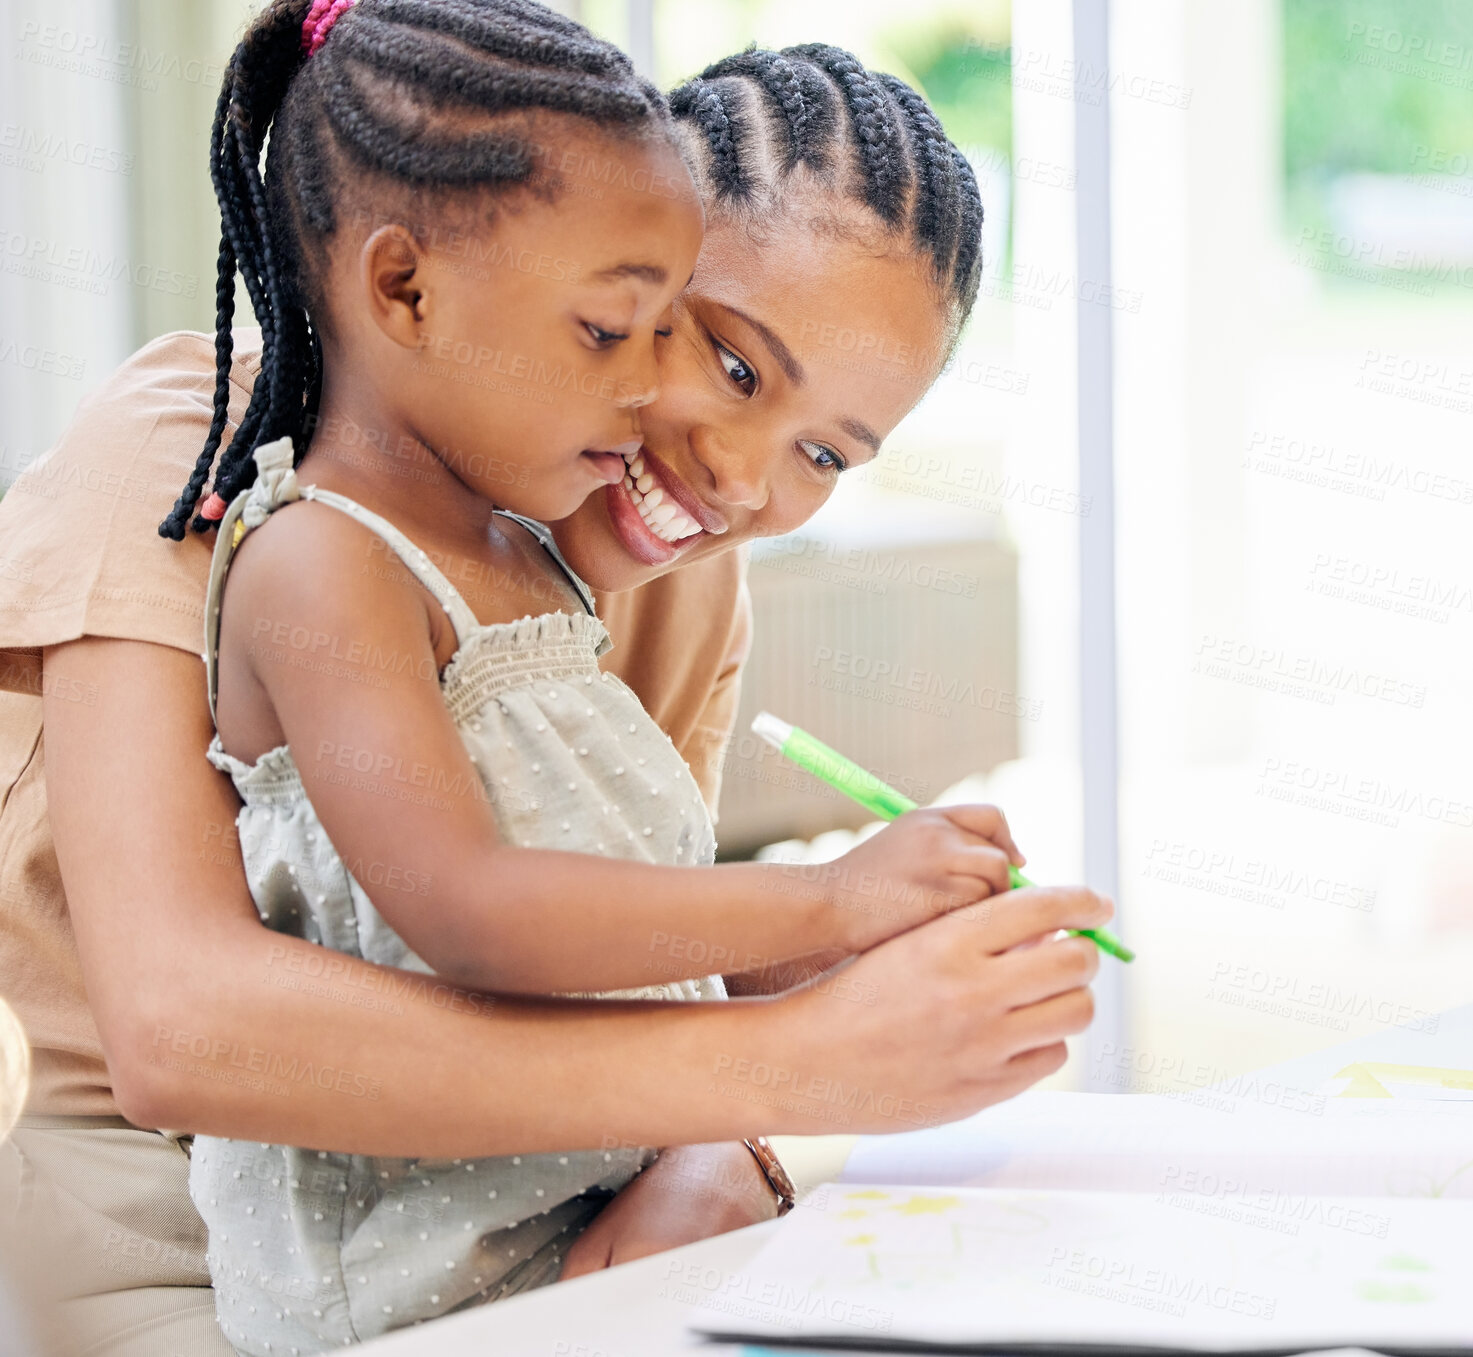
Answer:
(394, 281)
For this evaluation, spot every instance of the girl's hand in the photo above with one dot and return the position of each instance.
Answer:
(690, 1192)
(928, 862)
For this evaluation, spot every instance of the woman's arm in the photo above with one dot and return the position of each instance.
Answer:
(514, 919)
(212, 1023)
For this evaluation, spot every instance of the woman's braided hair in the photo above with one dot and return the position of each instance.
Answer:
(407, 92)
(767, 126)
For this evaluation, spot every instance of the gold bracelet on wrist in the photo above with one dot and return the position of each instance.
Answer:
(776, 1175)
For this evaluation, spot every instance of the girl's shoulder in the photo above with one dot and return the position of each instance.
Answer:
(302, 535)
(313, 574)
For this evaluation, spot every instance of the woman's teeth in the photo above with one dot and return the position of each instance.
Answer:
(662, 516)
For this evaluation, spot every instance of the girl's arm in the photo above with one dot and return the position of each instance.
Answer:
(212, 1023)
(781, 976)
(515, 919)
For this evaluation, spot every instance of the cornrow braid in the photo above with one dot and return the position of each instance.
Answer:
(413, 92)
(881, 143)
(966, 268)
(936, 199)
(721, 125)
(803, 100)
(830, 124)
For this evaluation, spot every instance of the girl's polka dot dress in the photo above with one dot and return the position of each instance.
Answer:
(313, 1249)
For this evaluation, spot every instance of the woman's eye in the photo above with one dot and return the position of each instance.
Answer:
(737, 369)
(824, 458)
(603, 337)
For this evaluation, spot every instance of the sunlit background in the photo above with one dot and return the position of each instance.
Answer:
(1292, 297)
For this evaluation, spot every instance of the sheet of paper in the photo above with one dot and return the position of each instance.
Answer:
(885, 1265)
(1385, 1079)
(1230, 1154)
(1440, 1039)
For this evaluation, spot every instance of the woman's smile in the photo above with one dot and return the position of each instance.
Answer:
(655, 514)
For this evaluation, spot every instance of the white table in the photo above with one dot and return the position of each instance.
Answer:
(642, 1309)
(637, 1310)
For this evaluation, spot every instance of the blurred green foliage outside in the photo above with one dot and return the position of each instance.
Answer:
(1369, 82)
(1374, 87)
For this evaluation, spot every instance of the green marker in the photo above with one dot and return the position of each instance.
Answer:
(880, 799)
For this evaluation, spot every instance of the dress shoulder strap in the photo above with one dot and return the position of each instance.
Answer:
(416, 559)
(275, 485)
(545, 539)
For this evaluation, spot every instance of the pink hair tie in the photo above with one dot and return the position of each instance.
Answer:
(213, 508)
(319, 21)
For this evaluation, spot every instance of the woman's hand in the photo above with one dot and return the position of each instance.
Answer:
(690, 1192)
(934, 1025)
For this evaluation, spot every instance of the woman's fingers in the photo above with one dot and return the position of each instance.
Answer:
(986, 822)
(1048, 1021)
(1015, 1075)
(1025, 1069)
(1036, 911)
(1038, 973)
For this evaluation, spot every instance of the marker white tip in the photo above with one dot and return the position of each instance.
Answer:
(771, 728)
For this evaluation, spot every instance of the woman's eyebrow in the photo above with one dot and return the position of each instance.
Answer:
(858, 429)
(786, 359)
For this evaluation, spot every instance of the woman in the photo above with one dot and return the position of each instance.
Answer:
(834, 202)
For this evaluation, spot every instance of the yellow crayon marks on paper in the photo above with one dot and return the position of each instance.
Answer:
(922, 1205)
(869, 1194)
(916, 1204)
(1370, 1079)
(861, 1240)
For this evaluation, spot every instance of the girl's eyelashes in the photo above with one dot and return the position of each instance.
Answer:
(815, 452)
(603, 338)
(742, 374)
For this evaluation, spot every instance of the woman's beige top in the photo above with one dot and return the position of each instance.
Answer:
(80, 555)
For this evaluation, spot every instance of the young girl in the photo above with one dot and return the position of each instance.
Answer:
(481, 211)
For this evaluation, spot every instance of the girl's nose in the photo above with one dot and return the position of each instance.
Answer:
(640, 385)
